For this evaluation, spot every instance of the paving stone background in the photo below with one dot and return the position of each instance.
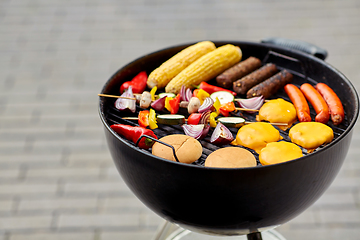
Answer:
(57, 179)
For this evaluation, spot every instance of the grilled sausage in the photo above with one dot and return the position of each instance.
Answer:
(238, 71)
(335, 106)
(317, 101)
(299, 101)
(242, 85)
(270, 85)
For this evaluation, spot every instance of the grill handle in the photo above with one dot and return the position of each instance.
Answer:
(297, 45)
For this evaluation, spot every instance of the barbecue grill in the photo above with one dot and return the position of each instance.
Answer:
(231, 201)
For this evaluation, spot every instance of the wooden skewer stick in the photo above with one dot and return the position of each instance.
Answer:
(239, 99)
(114, 96)
(130, 118)
(279, 124)
(247, 109)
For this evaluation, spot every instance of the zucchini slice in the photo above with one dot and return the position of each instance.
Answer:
(223, 96)
(171, 119)
(233, 122)
(165, 94)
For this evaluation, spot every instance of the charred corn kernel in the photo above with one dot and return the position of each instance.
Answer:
(169, 69)
(206, 67)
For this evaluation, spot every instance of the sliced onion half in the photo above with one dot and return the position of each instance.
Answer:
(185, 93)
(221, 135)
(188, 94)
(207, 105)
(195, 131)
(205, 117)
(182, 93)
(122, 103)
(159, 104)
(252, 103)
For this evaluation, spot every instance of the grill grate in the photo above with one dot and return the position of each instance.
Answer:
(114, 116)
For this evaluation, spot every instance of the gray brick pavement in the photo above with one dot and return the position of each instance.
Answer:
(57, 179)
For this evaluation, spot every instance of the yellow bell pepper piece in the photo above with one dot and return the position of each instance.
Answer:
(152, 119)
(201, 95)
(167, 104)
(217, 105)
(213, 122)
(152, 93)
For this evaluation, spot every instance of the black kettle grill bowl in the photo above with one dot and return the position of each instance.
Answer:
(233, 201)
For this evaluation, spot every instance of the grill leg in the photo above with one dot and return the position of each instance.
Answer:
(254, 236)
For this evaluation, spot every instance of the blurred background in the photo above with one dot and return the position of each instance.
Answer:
(57, 179)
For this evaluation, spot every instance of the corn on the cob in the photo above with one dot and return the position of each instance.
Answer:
(169, 69)
(205, 68)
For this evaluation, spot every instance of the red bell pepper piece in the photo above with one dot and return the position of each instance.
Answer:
(174, 104)
(138, 83)
(134, 133)
(211, 88)
(194, 119)
(226, 108)
(143, 118)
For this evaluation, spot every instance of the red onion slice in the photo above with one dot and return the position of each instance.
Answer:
(159, 104)
(207, 105)
(188, 94)
(122, 103)
(205, 117)
(182, 93)
(205, 131)
(221, 135)
(195, 131)
(252, 103)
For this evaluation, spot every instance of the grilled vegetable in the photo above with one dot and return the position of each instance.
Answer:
(126, 101)
(223, 96)
(159, 104)
(251, 103)
(169, 69)
(221, 135)
(211, 88)
(206, 105)
(161, 95)
(206, 67)
(171, 119)
(174, 104)
(226, 108)
(233, 122)
(317, 101)
(194, 105)
(194, 119)
(201, 94)
(333, 102)
(152, 119)
(145, 99)
(134, 133)
(143, 118)
(138, 83)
